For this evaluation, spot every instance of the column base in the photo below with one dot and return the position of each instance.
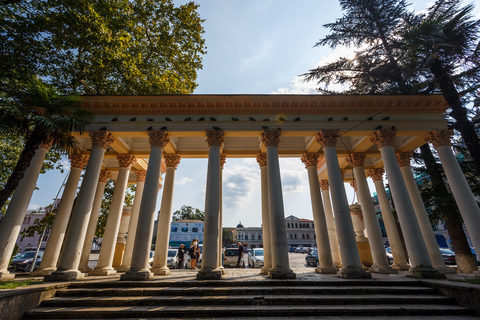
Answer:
(209, 274)
(277, 273)
(326, 270)
(445, 269)
(265, 271)
(43, 272)
(137, 275)
(401, 267)
(6, 275)
(123, 268)
(337, 265)
(422, 272)
(64, 275)
(354, 273)
(222, 269)
(162, 271)
(102, 271)
(85, 269)
(383, 270)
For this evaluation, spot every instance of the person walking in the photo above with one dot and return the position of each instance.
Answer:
(223, 254)
(181, 256)
(240, 254)
(192, 251)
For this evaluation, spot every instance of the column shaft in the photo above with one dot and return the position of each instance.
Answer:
(266, 223)
(332, 234)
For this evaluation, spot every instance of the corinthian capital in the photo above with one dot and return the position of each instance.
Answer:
(158, 139)
(439, 138)
(78, 160)
(140, 174)
(271, 138)
(172, 160)
(215, 138)
(223, 159)
(104, 176)
(310, 159)
(324, 185)
(404, 158)
(376, 174)
(327, 138)
(262, 159)
(383, 138)
(101, 138)
(126, 160)
(353, 183)
(356, 159)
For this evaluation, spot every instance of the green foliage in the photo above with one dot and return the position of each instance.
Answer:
(39, 225)
(12, 284)
(103, 47)
(107, 201)
(188, 213)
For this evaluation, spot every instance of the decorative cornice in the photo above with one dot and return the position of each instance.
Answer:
(310, 159)
(439, 138)
(158, 139)
(376, 174)
(104, 176)
(101, 139)
(78, 160)
(353, 183)
(140, 174)
(271, 138)
(223, 159)
(262, 159)
(126, 160)
(172, 160)
(383, 138)
(327, 138)
(403, 158)
(264, 104)
(324, 185)
(356, 159)
(215, 138)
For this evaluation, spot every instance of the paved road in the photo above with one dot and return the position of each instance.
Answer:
(296, 260)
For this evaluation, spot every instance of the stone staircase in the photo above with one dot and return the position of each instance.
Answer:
(270, 298)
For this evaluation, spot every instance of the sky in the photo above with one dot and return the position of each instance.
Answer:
(253, 47)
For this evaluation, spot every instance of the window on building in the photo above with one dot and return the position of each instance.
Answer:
(291, 236)
(194, 229)
(308, 236)
(259, 237)
(303, 236)
(184, 229)
(174, 229)
(246, 237)
(295, 236)
(296, 225)
(45, 238)
(288, 225)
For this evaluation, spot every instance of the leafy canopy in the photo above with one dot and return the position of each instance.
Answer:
(188, 213)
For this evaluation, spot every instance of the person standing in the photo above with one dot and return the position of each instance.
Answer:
(192, 251)
(181, 256)
(223, 254)
(240, 254)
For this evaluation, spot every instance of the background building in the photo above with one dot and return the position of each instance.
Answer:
(184, 231)
(249, 237)
(300, 232)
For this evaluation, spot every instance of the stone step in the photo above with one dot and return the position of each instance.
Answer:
(245, 311)
(236, 300)
(207, 291)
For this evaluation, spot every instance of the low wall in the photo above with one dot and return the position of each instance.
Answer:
(13, 303)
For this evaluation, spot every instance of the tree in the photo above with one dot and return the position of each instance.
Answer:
(102, 47)
(188, 213)
(40, 114)
(382, 65)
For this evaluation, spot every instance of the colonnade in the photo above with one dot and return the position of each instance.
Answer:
(336, 241)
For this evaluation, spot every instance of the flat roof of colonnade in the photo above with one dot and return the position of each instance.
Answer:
(243, 118)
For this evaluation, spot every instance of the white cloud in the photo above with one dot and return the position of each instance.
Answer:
(33, 206)
(184, 181)
(240, 181)
(293, 175)
(65, 163)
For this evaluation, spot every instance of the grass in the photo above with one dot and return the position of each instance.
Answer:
(12, 284)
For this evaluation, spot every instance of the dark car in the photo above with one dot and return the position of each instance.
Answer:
(292, 249)
(23, 261)
(312, 258)
(448, 256)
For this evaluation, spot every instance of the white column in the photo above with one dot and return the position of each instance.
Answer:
(92, 223)
(351, 265)
(280, 264)
(69, 261)
(132, 226)
(139, 266)
(332, 234)
(13, 219)
(399, 260)
(172, 160)
(266, 223)
(209, 270)
(105, 259)
(466, 202)
(59, 227)
(325, 262)
(417, 250)
(421, 213)
(379, 256)
(223, 159)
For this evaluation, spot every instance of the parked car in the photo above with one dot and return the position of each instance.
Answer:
(388, 251)
(23, 261)
(305, 250)
(172, 259)
(312, 258)
(292, 249)
(150, 258)
(231, 258)
(255, 259)
(448, 256)
(298, 249)
(475, 256)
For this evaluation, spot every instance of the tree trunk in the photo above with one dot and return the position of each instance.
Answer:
(465, 260)
(459, 113)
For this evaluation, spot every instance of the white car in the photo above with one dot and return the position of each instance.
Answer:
(172, 259)
(255, 258)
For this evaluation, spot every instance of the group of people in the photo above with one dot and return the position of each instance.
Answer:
(193, 252)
